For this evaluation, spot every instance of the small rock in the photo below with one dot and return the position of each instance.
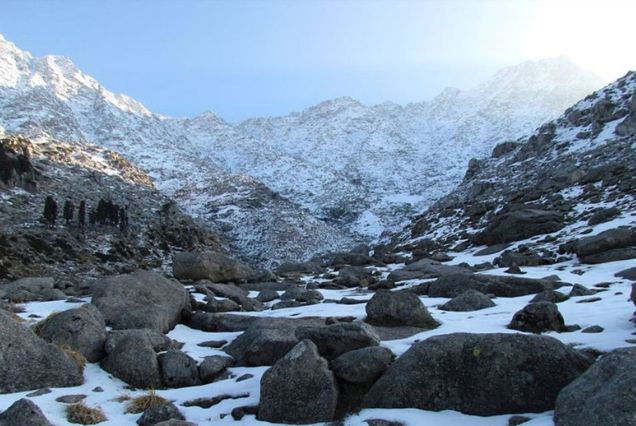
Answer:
(550, 296)
(517, 420)
(212, 366)
(39, 392)
(213, 344)
(579, 290)
(593, 329)
(387, 308)
(514, 269)
(538, 317)
(178, 369)
(589, 300)
(23, 412)
(470, 300)
(267, 296)
(160, 413)
(70, 399)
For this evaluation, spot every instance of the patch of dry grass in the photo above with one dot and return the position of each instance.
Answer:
(37, 328)
(76, 357)
(81, 413)
(144, 402)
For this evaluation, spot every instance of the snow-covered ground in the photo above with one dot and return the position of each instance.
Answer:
(613, 312)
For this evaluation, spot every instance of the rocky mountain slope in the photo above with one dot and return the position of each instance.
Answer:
(370, 168)
(285, 188)
(575, 172)
(140, 229)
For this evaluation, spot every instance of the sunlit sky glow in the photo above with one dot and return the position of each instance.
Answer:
(248, 58)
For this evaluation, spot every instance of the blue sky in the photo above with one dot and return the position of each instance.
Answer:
(249, 58)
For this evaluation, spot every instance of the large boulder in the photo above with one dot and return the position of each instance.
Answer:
(336, 339)
(610, 245)
(132, 358)
(288, 269)
(629, 274)
(538, 317)
(524, 257)
(355, 276)
(519, 224)
(31, 289)
(159, 342)
(232, 292)
(219, 322)
(455, 284)
(213, 366)
(603, 395)
(23, 412)
(299, 389)
(213, 266)
(470, 300)
(178, 369)
(28, 362)
(362, 365)
(387, 308)
(424, 269)
(142, 299)
(263, 343)
(82, 329)
(480, 374)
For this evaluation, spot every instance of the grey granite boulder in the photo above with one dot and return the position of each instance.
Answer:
(387, 308)
(337, 339)
(538, 317)
(178, 369)
(82, 329)
(479, 374)
(213, 266)
(28, 362)
(603, 395)
(299, 388)
(362, 365)
(470, 300)
(142, 299)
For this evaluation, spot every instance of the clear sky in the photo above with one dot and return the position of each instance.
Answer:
(269, 57)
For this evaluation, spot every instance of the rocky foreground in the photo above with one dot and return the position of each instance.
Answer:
(358, 339)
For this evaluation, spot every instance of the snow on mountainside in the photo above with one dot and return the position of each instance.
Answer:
(369, 168)
(580, 168)
(285, 188)
(50, 96)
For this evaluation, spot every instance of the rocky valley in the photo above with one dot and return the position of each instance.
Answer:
(465, 261)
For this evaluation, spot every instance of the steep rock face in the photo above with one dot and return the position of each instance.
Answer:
(570, 169)
(285, 188)
(69, 250)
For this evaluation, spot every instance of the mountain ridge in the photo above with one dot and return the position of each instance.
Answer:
(324, 167)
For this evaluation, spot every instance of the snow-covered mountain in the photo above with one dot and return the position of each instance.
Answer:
(285, 188)
(50, 96)
(370, 168)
